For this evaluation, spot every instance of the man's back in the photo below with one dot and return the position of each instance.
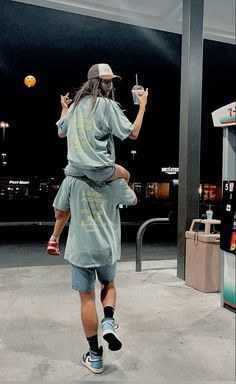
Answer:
(94, 232)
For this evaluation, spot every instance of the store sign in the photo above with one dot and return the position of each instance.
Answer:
(18, 182)
(225, 116)
(210, 192)
(170, 170)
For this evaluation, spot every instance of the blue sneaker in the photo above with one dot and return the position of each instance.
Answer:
(93, 361)
(109, 334)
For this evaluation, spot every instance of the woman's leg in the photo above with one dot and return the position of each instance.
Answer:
(61, 219)
(120, 172)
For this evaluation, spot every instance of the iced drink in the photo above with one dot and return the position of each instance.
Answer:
(137, 90)
(209, 213)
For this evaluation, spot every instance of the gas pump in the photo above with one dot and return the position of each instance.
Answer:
(225, 117)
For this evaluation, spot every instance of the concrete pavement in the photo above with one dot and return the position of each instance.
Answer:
(170, 332)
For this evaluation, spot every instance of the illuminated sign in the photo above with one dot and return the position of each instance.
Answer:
(170, 170)
(156, 190)
(224, 116)
(18, 182)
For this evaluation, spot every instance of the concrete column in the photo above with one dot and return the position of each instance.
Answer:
(190, 123)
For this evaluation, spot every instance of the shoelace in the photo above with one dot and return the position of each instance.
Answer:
(115, 325)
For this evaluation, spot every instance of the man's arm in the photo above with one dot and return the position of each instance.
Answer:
(139, 118)
(135, 201)
(124, 194)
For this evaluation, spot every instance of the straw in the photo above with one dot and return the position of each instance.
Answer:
(136, 79)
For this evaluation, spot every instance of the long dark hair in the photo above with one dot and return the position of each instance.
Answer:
(92, 88)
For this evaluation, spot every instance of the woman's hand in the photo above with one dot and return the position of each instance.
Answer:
(65, 101)
(142, 100)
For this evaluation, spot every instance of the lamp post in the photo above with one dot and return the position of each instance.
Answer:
(4, 125)
(133, 153)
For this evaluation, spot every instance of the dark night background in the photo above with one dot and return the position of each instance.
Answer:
(58, 48)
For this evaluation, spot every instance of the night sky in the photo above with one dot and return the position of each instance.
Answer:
(58, 48)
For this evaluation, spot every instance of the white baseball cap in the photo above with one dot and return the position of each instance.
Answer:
(102, 71)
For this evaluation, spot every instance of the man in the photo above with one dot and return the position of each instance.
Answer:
(93, 246)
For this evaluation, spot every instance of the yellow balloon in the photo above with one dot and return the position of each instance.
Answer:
(29, 81)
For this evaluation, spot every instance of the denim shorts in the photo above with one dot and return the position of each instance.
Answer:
(83, 279)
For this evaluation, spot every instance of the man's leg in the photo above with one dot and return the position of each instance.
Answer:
(89, 315)
(106, 276)
(92, 359)
(108, 294)
(83, 280)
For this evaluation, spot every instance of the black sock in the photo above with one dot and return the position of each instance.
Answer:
(93, 342)
(109, 312)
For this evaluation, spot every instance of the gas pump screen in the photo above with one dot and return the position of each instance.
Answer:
(228, 219)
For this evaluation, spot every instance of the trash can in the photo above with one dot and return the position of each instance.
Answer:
(202, 266)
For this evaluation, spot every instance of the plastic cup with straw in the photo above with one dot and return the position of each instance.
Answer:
(137, 90)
